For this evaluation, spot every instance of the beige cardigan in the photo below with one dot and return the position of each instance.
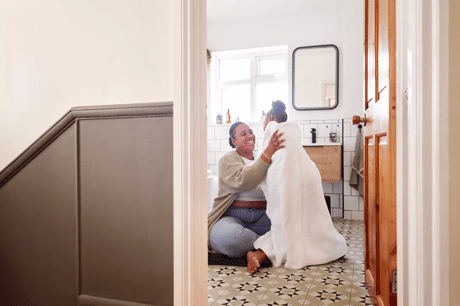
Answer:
(234, 176)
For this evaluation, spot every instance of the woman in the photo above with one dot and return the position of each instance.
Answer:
(238, 215)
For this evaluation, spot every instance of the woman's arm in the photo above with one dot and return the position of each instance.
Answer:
(236, 174)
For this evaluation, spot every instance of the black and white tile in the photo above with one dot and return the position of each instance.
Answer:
(340, 282)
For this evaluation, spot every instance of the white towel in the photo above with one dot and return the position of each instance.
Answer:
(302, 232)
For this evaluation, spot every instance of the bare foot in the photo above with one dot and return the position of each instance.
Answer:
(255, 258)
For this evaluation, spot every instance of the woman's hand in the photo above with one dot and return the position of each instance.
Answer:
(274, 145)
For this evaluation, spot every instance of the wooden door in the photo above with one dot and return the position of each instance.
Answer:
(380, 150)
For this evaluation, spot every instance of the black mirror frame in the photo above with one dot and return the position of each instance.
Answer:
(293, 78)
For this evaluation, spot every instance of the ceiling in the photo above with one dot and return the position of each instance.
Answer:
(226, 11)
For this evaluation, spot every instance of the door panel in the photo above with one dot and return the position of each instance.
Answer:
(370, 51)
(382, 178)
(380, 152)
(382, 49)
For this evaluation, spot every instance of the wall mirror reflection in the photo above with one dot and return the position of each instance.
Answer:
(315, 77)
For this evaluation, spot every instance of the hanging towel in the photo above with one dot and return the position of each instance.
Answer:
(302, 232)
(356, 177)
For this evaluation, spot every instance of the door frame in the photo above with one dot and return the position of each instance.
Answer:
(190, 152)
(422, 152)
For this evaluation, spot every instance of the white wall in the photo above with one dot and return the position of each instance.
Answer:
(338, 22)
(57, 54)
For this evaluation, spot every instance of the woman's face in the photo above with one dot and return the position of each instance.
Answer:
(244, 138)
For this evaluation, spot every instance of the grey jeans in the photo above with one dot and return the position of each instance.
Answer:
(237, 230)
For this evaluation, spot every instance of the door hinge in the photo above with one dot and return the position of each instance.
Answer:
(395, 283)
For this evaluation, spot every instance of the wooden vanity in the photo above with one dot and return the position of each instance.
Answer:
(328, 159)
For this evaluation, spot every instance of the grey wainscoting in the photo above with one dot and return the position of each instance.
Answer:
(86, 212)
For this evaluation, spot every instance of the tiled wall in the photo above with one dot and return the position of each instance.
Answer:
(352, 208)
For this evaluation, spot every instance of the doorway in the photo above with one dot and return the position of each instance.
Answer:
(187, 218)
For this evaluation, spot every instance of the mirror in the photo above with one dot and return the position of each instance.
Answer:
(315, 77)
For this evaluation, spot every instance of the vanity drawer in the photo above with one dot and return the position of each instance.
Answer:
(328, 159)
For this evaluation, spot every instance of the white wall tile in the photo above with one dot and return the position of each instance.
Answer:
(337, 128)
(346, 173)
(349, 144)
(213, 169)
(357, 215)
(346, 129)
(336, 212)
(319, 140)
(225, 145)
(211, 132)
(220, 132)
(337, 187)
(347, 215)
(346, 189)
(361, 203)
(347, 159)
(316, 121)
(213, 145)
(335, 201)
(212, 158)
(323, 130)
(327, 187)
(351, 203)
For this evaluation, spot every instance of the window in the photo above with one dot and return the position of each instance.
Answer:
(246, 82)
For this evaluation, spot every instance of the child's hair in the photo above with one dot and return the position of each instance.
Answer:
(278, 111)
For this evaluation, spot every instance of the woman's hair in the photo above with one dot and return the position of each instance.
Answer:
(232, 133)
(278, 111)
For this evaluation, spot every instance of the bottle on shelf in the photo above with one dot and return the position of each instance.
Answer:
(262, 117)
(219, 118)
(228, 117)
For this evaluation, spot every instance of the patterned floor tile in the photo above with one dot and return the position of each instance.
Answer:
(340, 282)
(230, 300)
(327, 296)
(360, 296)
(288, 293)
(275, 303)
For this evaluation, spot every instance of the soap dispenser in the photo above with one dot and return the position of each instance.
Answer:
(313, 135)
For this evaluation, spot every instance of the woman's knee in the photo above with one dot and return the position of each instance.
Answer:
(235, 244)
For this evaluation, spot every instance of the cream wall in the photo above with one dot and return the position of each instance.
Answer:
(454, 152)
(57, 54)
(338, 22)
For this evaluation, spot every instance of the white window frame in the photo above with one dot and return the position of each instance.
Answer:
(255, 78)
